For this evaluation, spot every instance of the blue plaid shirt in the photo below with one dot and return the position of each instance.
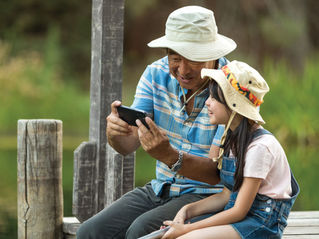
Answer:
(159, 94)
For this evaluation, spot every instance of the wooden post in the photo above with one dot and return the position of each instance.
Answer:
(40, 195)
(101, 175)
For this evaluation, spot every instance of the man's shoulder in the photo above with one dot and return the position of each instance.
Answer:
(158, 70)
(161, 64)
(222, 62)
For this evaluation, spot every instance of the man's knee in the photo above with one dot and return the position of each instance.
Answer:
(95, 229)
(84, 231)
(136, 230)
(143, 225)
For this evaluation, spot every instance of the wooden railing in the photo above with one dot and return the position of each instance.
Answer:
(101, 175)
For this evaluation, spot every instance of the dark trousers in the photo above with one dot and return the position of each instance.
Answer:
(135, 214)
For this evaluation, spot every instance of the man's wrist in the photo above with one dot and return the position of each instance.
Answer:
(178, 164)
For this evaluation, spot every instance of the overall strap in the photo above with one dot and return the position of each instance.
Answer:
(256, 133)
(259, 132)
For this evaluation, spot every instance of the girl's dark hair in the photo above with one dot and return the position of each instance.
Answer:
(237, 141)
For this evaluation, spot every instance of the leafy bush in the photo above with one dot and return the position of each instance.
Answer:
(290, 106)
(291, 113)
(31, 87)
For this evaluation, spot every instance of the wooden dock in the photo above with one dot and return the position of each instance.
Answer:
(301, 224)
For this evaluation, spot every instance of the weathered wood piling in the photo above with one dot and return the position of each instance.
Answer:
(40, 195)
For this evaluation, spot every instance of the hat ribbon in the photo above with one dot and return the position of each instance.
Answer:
(219, 159)
(232, 80)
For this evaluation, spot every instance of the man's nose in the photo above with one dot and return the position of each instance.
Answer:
(184, 67)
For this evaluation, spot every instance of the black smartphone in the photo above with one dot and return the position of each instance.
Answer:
(130, 115)
(156, 235)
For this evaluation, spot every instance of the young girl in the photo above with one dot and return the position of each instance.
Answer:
(259, 188)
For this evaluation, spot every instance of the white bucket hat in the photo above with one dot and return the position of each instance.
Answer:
(192, 32)
(243, 88)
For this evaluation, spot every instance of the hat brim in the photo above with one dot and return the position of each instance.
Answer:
(235, 100)
(197, 51)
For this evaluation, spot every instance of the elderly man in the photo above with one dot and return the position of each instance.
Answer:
(180, 138)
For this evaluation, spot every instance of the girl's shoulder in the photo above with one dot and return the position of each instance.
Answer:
(266, 142)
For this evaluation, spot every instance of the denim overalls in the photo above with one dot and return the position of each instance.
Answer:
(267, 217)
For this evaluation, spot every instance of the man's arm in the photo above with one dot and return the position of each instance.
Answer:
(157, 145)
(201, 169)
(121, 136)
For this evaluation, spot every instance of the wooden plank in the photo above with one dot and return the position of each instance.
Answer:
(300, 236)
(40, 195)
(303, 222)
(106, 86)
(303, 214)
(70, 226)
(114, 175)
(301, 231)
(84, 175)
(128, 173)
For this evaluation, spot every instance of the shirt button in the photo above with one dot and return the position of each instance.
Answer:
(269, 201)
(189, 124)
(268, 209)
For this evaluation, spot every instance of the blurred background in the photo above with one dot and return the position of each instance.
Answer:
(45, 57)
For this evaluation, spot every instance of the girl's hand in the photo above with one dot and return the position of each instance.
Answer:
(181, 215)
(176, 230)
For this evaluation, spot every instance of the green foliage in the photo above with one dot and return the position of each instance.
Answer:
(291, 114)
(31, 86)
(281, 24)
(26, 25)
(290, 106)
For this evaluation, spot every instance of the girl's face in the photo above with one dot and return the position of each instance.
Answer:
(218, 112)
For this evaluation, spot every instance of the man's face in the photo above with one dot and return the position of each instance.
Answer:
(187, 72)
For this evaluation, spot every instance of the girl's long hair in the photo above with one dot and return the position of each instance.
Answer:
(237, 141)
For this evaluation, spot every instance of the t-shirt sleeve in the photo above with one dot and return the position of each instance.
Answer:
(258, 161)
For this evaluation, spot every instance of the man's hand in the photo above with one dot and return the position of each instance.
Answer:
(115, 125)
(120, 135)
(156, 143)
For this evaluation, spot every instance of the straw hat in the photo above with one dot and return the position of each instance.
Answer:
(243, 87)
(192, 32)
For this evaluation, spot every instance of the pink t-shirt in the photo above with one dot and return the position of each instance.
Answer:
(266, 159)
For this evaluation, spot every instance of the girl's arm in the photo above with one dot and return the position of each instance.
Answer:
(214, 203)
(244, 201)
